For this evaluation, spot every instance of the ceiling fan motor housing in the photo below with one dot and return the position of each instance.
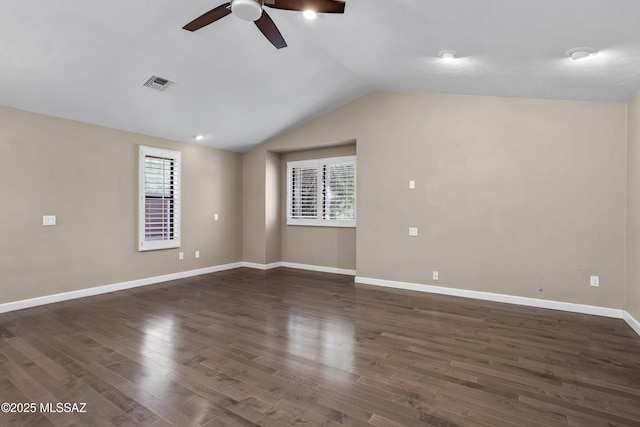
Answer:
(248, 10)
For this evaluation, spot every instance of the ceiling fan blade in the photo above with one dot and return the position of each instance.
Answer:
(320, 6)
(270, 31)
(212, 16)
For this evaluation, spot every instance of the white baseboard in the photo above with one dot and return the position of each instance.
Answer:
(65, 296)
(257, 266)
(487, 296)
(635, 325)
(81, 293)
(318, 268)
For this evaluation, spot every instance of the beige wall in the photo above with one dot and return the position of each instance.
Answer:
(261, 185)
(86, 175)
(515, 196)
(254, 182)
(260, 191)
(272, 208)
(632, 294)
(333, 247)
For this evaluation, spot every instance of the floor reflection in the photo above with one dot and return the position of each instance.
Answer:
(329, 341)
(159, 347)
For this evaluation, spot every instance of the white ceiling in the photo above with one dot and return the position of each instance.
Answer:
(86, 60)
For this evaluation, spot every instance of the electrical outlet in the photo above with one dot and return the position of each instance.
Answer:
(595, 281)
(435, 275)
(181, 255)
(197, 254)
(413, 231)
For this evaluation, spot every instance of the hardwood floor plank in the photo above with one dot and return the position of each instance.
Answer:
(246, 348)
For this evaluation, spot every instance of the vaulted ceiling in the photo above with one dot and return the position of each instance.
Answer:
(86, 60)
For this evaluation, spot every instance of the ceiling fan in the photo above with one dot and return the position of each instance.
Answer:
(252, 10)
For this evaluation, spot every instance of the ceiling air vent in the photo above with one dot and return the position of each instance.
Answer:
(158, 83)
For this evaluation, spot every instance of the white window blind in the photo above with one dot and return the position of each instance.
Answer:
(339, 190)
(159, 209)
(304, 187)
(322, 192)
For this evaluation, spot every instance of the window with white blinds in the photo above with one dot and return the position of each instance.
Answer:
(322, 192)
(159, 208)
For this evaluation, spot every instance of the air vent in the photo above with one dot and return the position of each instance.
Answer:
(158, 83)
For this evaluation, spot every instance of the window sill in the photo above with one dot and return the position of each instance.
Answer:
(322, 223)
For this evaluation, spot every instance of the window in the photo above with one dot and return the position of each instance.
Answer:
(322, 192)
(159, 208)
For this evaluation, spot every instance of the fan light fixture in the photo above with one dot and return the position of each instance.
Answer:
(447, 55)
(310, 14)
(248, 10)
(580, 53)
(252, 10)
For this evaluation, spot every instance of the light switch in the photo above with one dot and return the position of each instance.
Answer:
(49, 220)
(215, 217)
(412, 185)
(413, 231)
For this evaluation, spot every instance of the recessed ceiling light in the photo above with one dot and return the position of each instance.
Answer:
(580, 53)
(447, 54)
(198, 137)
(310, 14)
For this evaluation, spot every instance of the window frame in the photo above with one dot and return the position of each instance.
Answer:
(321, 200)
(145, 244)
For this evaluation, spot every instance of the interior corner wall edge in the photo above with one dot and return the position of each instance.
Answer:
(632, 290)
(87, 176)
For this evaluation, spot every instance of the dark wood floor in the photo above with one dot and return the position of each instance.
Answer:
(294, 348)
